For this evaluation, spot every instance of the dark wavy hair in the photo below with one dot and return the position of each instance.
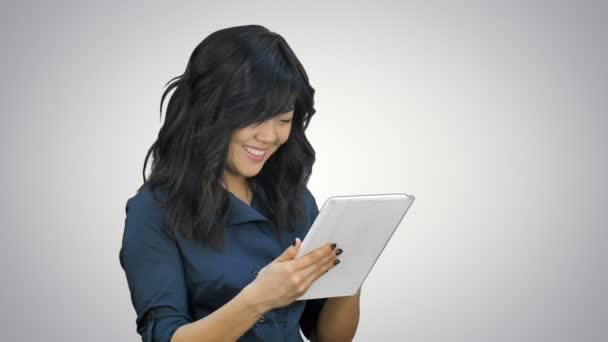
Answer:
(235, 77)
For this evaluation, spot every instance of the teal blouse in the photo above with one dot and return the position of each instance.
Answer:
(175, 282)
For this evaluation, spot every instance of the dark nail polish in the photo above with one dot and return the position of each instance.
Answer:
(338, 251)
(333, 245)
(337, 261)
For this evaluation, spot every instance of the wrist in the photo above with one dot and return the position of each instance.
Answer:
(251, 296)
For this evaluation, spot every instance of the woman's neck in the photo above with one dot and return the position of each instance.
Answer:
(239, 187)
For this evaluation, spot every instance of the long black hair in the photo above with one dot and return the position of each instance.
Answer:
(235, 77)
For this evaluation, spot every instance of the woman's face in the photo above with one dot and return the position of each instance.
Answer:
(251, 146)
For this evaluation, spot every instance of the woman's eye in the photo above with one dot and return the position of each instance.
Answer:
(286, 121)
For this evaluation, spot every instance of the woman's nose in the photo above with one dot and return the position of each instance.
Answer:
(266, 133)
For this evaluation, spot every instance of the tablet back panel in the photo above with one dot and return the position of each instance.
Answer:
(362, 226)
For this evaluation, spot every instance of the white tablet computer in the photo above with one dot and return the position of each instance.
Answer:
(361, 226)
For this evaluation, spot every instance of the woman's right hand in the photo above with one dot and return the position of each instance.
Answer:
(285, 279)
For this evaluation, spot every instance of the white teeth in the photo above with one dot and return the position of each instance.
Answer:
(254, 151)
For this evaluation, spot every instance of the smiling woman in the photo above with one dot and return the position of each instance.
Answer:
(239, 85)
(250, 147)
(207, 244)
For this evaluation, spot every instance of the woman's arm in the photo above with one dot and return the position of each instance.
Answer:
(227, 323)
(338, 319)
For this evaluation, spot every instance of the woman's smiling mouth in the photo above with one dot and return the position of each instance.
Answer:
(254, 154)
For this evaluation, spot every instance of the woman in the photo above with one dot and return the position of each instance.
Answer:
(207, 245)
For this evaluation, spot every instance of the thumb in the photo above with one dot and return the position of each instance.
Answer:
(290, 252)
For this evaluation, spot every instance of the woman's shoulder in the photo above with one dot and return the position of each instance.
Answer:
(310, 205)
(307, 193)
(144, 215)
(145, 198)
(309, 198)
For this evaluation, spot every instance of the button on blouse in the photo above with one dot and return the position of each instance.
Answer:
(173, 282)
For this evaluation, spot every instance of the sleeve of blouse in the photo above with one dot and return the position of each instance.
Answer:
(154, 272)
(313, 307)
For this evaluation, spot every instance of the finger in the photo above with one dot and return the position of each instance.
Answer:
(317, 269)
(315, 273)
(312, 257)
(290, 252)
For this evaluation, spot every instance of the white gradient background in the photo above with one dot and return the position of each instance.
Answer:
(494, 115)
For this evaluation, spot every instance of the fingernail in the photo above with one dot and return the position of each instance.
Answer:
(295, 241)
(333, 245)
(337, 261)
(338, 251)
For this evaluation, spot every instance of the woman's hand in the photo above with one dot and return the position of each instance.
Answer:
(285, 279)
